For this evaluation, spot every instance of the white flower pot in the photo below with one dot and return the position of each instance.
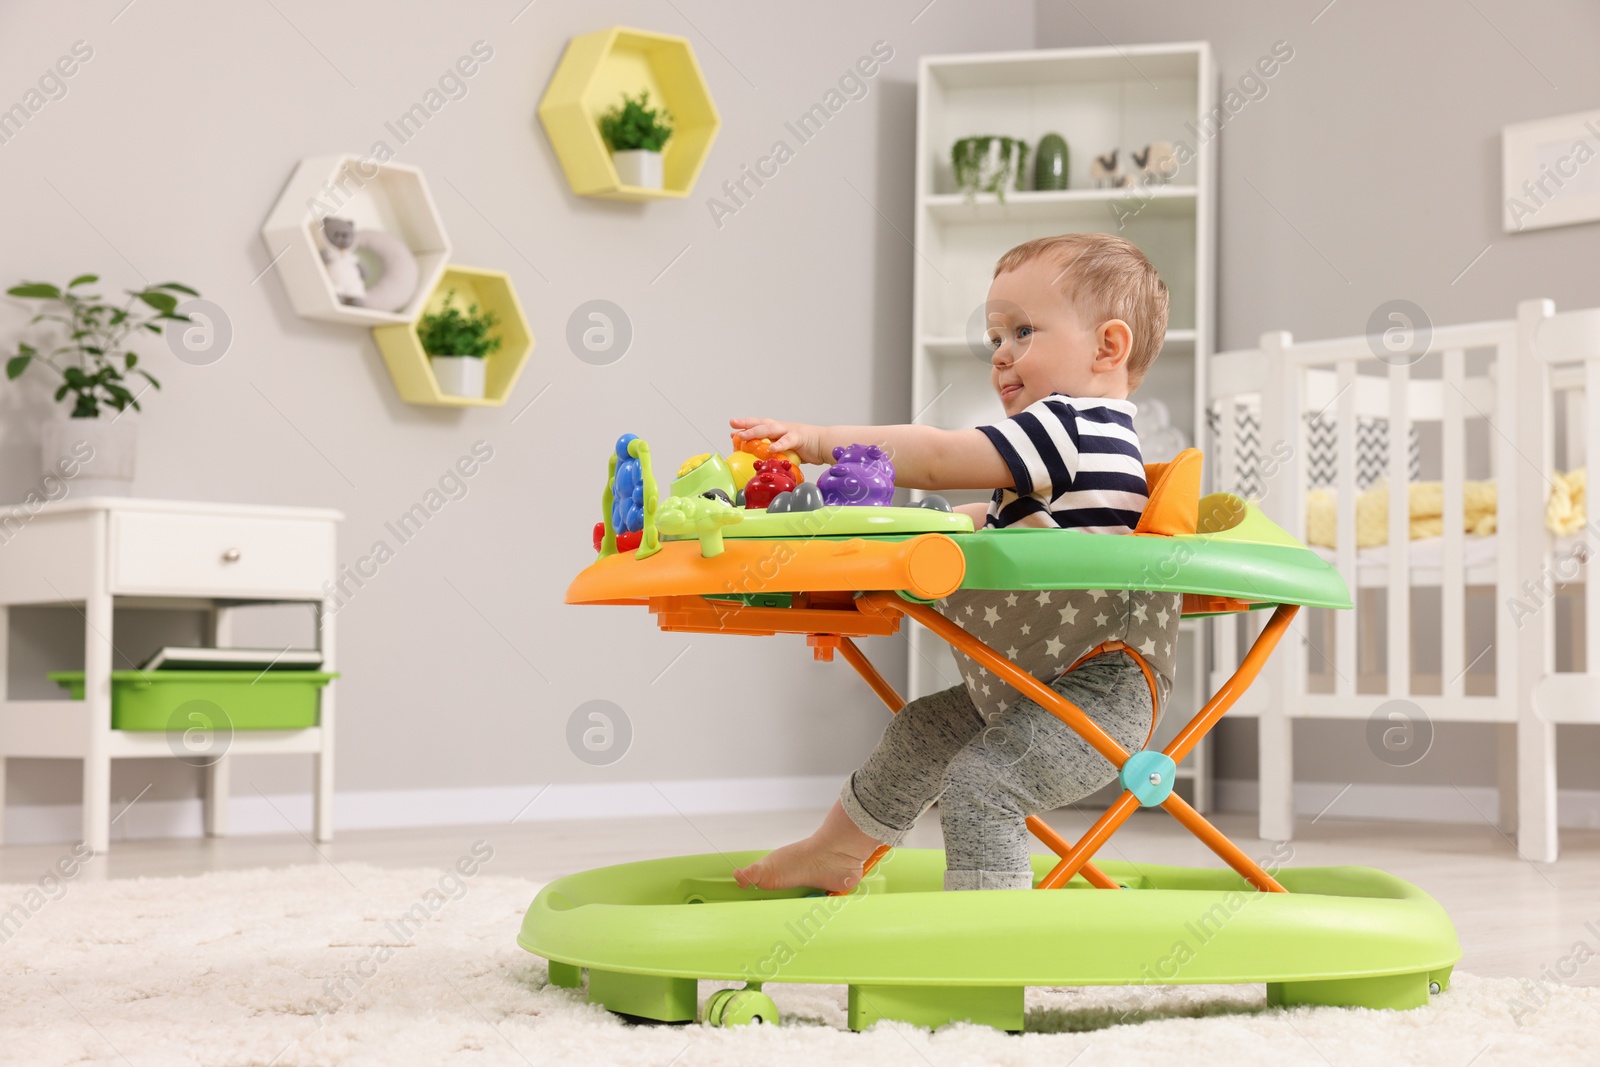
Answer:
(94, 457)
(459, 375)
(639, 167)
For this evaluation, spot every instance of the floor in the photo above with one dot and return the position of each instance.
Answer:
(1514, 918)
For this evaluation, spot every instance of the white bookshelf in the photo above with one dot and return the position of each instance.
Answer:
(1097, 99)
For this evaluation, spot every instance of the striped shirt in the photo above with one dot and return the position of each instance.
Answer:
(1074, 463)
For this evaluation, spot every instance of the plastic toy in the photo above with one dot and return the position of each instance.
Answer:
(630, 496)
(647, 933)
(705, 473)
(743, 466)
(701, 517)
(761, 448)
(773, 476)
(861, 474)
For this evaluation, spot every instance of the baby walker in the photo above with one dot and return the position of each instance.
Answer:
(816, 562)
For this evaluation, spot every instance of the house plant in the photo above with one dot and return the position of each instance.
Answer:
(636, 133)
(456, 342)
(94, 359)
(988, 164)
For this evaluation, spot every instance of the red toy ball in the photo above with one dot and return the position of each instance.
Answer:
(627, 541)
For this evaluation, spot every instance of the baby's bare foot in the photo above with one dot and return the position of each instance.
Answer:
(830, 859)
(804, 863)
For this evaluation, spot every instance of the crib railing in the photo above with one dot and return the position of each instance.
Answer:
(1334, 380)
(1533, 362)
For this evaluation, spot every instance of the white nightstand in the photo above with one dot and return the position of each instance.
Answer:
(94, 552)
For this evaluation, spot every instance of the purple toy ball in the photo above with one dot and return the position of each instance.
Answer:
(860, 475)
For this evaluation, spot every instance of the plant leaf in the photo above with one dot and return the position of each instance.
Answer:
(35, 291)
(17, 364)
(152, 327)
(176, 288)
(61, 392)
(83, 279)
(165, 303)
(151, 378)
(132, 358)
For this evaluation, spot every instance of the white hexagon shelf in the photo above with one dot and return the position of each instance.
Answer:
(388, 197)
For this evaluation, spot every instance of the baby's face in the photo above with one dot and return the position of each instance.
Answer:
(1038, 347)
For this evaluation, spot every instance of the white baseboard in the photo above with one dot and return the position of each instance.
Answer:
(29, 824)
(1577, 809)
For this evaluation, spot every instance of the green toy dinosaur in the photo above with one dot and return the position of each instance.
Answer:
(699, 516)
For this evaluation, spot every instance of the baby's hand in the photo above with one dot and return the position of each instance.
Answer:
(804, 439)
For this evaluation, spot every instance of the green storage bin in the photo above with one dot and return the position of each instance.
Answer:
(148, 700)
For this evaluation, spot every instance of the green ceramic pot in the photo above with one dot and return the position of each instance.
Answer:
(1050, 163)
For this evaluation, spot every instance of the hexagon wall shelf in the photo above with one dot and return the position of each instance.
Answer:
(594, 72)
(409, 365)
(390, 197)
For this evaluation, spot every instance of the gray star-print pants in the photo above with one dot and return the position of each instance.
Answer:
(988, 777)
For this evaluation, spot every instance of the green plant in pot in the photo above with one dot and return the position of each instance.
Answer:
(456, 342)
(636, 133)
(91, 354)
(988, 164)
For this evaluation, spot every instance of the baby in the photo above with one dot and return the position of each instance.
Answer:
(1074, 322)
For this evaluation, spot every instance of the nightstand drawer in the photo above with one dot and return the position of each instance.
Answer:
(153, 552)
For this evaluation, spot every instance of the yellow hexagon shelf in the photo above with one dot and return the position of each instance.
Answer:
(594, 72)
(409, 364)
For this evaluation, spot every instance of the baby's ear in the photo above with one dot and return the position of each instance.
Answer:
(1115, 342)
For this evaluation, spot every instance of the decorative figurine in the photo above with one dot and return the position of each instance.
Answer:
(1050, 163)
(1157, 163)
(1106, 172)
(345, 270)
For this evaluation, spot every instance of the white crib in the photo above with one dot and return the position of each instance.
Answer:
(1508, 398)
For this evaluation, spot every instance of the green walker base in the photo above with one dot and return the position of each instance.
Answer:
(647, 933)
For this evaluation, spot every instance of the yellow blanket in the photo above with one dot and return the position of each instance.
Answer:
(1565, 511)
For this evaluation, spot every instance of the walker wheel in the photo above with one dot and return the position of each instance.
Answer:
(736, 1007)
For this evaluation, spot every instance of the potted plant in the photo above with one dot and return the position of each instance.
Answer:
(456, 342)
(988, 164)
(96, 365)
(636, 133)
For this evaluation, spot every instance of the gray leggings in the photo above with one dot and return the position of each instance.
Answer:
(989, 777)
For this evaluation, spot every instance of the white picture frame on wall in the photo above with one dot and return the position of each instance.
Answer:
(1550, 172)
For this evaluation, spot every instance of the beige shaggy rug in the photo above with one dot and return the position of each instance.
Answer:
(321, 965)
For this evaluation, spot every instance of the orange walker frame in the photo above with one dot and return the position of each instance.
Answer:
(831, 620)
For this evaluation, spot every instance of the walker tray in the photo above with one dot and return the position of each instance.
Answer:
(646, 933)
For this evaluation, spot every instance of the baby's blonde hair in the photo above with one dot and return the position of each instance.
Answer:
(1105, 277)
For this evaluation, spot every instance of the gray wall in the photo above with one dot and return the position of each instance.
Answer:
(1375, 164)
(163, 159)
(1369, 171)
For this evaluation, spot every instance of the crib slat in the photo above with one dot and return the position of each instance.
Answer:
(1399, 598)
(1344, 622)
(1224, 659)
(1452, 577)
(1591, 453)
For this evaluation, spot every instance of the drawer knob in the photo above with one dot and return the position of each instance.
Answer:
(231, 556)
